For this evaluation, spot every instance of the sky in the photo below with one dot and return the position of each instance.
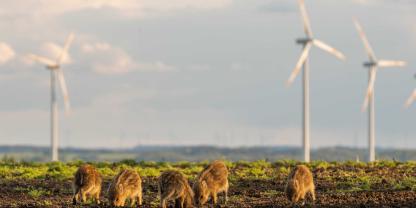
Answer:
(212, 72)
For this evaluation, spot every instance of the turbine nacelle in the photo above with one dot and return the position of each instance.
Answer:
(303, 41)
(370, 64)
(52, 67)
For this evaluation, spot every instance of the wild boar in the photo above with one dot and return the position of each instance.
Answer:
(211, 181)
(300, 182)
(126, 185)
(174, 185)
(87, 182)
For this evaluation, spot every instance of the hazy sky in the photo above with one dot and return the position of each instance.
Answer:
(191, 72)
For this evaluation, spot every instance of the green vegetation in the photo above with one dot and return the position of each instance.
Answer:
(33, 192)
(36, 193)
(344, 176)
(332, 176)
(254, 183)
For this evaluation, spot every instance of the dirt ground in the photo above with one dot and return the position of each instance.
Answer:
(333, 187)
(243, 193)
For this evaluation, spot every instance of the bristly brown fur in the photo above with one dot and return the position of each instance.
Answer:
(87, 182)
(126, 185)
(174, 185)
(300, 182)
(211, 181)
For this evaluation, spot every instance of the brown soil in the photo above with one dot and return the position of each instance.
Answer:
(243, 193)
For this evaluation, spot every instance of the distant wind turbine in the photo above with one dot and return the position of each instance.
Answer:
(307, 44)
(373, 65)
(56, 73)
(411, 99)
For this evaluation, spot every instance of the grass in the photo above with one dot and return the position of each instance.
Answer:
(33, 192)
(344, 177)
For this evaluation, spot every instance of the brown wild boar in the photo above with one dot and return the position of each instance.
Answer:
(87, 182)
(212, 180)
(126, 185)
(300, 182)
(174, 185)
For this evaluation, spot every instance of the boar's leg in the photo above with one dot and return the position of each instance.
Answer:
(97, 196)
(179, 202)
(214, 198)
(83, 195)
(163, 203)
(163, 198)
(139, 198)
(226, 196)
(75, 199)
(132, 201)
(313, 194)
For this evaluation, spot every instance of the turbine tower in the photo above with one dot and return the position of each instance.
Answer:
(56, 74)
(307, 43)
(372, 65)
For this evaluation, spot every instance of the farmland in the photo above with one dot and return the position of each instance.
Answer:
(252, 184)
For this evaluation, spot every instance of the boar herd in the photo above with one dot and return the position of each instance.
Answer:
(173, 185)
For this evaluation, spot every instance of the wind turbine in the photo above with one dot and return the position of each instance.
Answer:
(307, 44)
(56, 73)
(372, 65)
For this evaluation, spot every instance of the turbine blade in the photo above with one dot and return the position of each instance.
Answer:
(390, 63)
(411, 99)
(41, 59)
(68, 42)
(305, 18)
(363, 37)
(328, 49)
(370, 88)
(299, 64)
(64, 90)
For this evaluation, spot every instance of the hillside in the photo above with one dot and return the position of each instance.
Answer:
(200, 153)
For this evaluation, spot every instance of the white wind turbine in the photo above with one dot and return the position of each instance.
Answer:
(307, 44)
(372, 65)
(56, 73)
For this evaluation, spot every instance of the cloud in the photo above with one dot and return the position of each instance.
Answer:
(6, 53)
(372, 2)
(107, 59)
(363, 2)
(156, 66)
(279, 7)
(237, 67)
(128, 8)
(199, 67)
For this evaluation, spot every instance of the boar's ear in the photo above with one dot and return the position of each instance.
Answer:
(296, 184)
(120, 187)
(192, 193)
(204, 185)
